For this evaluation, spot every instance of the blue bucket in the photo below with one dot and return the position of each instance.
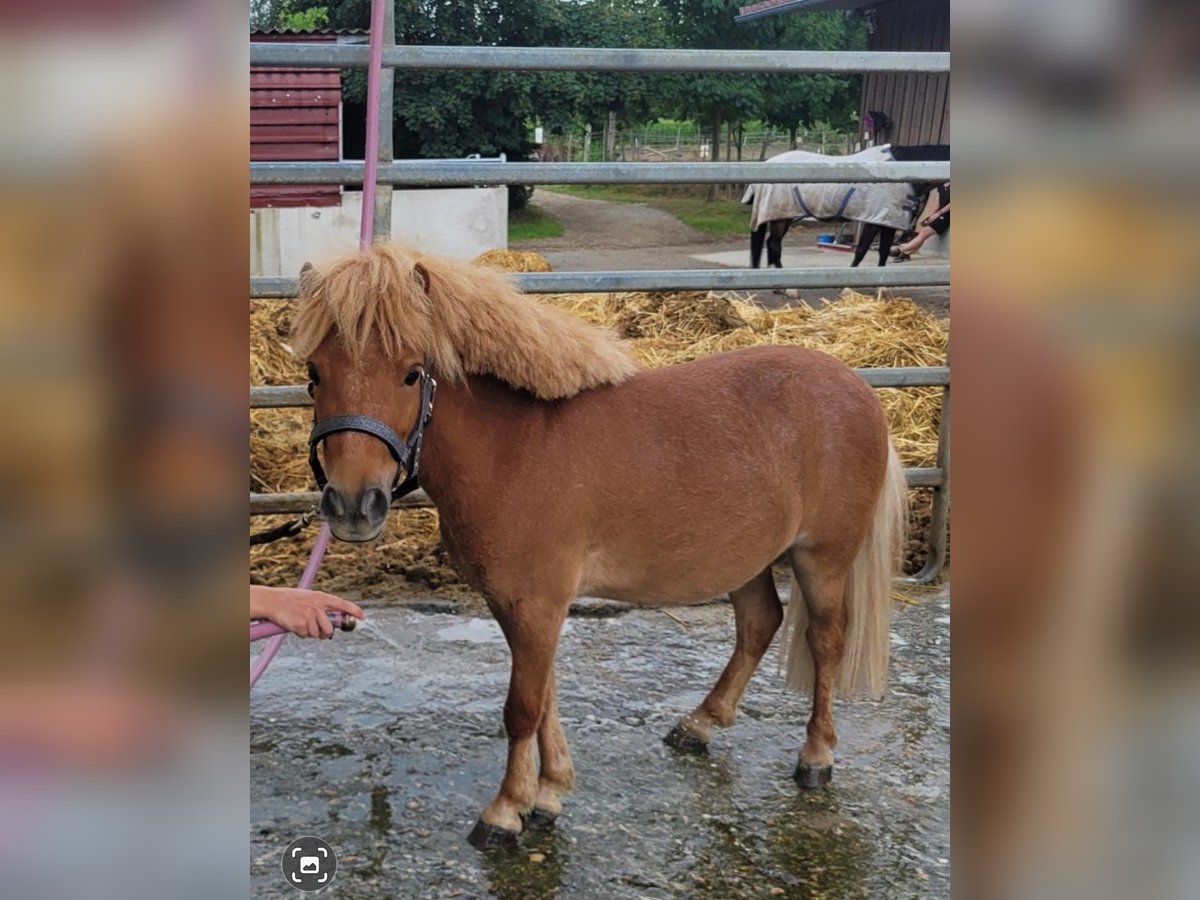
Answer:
(825, 238)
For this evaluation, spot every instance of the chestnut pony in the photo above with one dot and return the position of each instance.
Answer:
(560, 468)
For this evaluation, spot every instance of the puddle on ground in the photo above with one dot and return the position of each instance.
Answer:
(389, 741)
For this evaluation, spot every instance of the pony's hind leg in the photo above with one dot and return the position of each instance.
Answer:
(757, 615)
(556, 772)
(531, 629)
(821, 583)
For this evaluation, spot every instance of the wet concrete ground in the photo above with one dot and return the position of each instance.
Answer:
(390, 752)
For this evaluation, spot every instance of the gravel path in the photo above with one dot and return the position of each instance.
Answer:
(600, 234)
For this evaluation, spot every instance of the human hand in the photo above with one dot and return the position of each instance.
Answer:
(303, 613)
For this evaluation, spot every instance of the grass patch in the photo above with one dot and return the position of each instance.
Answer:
(531, 223)
(690, 205)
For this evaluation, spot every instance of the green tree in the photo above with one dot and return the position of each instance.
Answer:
(606, 98)
(451, 114)
(297, 15)
(715, 99)
(790, 101)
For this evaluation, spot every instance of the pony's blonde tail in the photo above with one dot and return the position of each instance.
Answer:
(868, 601)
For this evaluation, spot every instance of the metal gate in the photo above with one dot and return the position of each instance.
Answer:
(477, 173)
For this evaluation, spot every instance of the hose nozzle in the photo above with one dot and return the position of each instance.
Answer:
(343, 621)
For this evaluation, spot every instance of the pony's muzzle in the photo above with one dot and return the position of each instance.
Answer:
(357, 517)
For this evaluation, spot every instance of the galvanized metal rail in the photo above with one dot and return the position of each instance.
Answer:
(284, 504)
(601, 59)
(684, 280)
(467, 172)
(284, 396)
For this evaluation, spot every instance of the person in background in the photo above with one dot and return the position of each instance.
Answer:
(303, 613)
(938, 223)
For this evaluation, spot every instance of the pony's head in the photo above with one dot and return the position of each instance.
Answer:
(374, 324)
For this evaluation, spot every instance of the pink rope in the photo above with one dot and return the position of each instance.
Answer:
(366, 235)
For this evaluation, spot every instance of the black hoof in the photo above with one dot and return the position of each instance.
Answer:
(486, 837)
(537, 819)
(684, 741)
(812, 776)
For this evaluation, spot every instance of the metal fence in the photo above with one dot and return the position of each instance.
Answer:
(471, 173)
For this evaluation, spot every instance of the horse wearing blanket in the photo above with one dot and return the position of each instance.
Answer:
(560, 468)
(883, 208)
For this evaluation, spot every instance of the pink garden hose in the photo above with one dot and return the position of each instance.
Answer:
(261, 629)
(366, 235)
(306, 580)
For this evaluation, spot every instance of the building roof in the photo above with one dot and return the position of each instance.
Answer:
(255, 32)
(775, 7)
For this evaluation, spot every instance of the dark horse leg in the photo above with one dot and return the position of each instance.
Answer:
(886, 237)
(757, 236)
(778, 229)
(864, 243)
(757, 614)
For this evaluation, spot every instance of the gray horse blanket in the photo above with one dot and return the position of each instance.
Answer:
(889, 204)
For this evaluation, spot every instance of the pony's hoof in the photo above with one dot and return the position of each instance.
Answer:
(684, 741)
(812, 776)
(537, 819)
(487, 837)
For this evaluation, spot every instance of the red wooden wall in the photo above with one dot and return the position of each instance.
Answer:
(294, 117)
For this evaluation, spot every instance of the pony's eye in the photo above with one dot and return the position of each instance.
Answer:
(312, 375)
(413, 374)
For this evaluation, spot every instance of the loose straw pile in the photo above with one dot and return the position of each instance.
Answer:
(664, 328)
(514, 260)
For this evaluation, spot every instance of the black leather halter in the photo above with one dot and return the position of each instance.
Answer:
(407, 453)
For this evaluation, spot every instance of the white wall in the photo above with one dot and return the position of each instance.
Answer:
(456, 222)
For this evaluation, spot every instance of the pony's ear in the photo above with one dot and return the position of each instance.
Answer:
(308, 277)
(422, 273)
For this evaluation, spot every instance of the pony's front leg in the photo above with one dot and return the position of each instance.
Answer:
(532, 631)
(556, 775)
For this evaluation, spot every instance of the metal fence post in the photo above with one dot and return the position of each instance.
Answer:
(939, 515)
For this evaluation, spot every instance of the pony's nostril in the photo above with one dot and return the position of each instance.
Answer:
(374, 505)
(333, 506)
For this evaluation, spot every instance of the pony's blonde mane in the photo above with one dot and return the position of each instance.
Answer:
(465, 318)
